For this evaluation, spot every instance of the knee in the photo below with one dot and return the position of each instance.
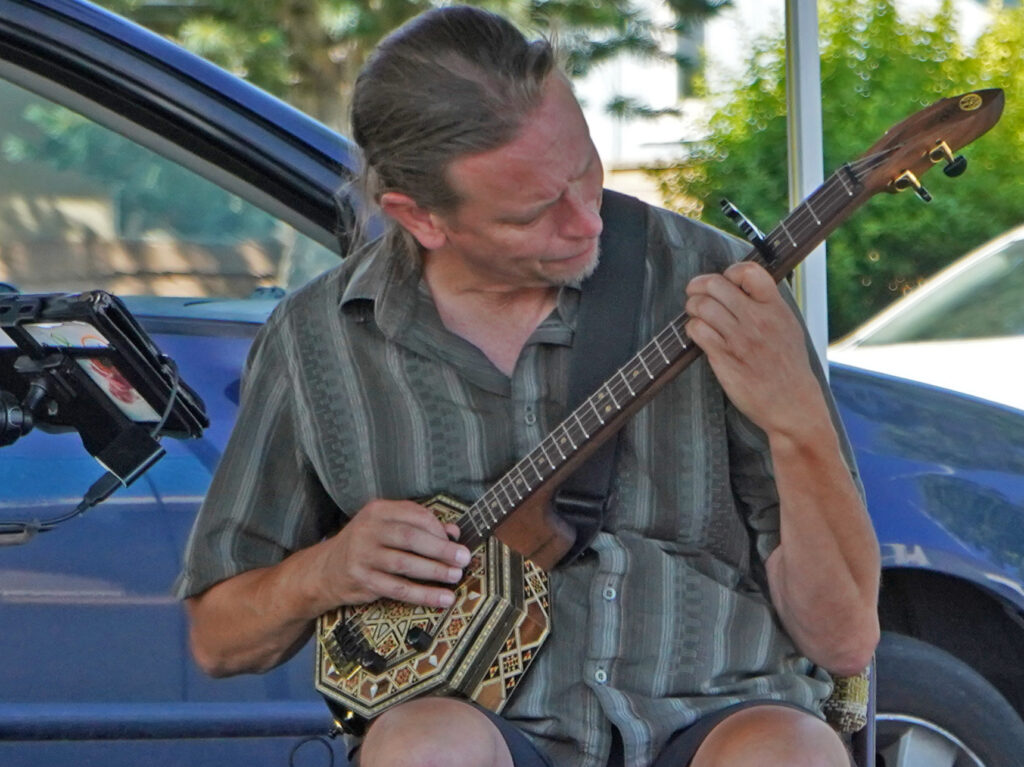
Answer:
(772, 736)
(433, 732)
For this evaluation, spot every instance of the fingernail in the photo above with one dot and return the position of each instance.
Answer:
(454, 575)
(462, 556)
(447, 599)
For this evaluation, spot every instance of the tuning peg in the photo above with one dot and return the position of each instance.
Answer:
(955, 165)
(907, 180)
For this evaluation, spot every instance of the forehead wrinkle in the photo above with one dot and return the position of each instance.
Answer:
(551, 151)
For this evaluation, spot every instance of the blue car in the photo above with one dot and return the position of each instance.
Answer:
(132, 166)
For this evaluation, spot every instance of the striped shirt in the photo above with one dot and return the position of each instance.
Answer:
(355, 390)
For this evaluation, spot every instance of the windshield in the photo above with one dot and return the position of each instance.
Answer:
(985, 300)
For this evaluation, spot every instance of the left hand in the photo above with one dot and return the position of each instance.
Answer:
(754, 343)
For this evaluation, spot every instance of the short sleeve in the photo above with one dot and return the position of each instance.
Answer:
(257, 510)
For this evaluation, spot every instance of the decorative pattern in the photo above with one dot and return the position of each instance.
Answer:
(847, 708)
(479, 647)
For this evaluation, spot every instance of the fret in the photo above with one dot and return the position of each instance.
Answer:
(644, 363)
(782, 225)
(472, 519)
(596, 411)
(495, 509)
(678, 335)
(559, 449)
(611, 395)
(626, 382)
(546, 456)
(567, 435)
(657, 344)
(807, 204)
(522, 477)
(514, 479)
(508, 498)
(533, 466)
(586, 434)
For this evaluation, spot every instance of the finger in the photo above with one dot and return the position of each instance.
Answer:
(389, 586)
(415, 540)
(704, 335)
(753, 279)
(415, 567)
(718, 288)
(453, 531)
(715, 309)
(720, 315)
(410, 527)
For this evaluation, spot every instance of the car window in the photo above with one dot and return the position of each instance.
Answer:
(983, 301)
(82, 207)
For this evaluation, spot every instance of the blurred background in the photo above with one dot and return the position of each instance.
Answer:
(686, 102)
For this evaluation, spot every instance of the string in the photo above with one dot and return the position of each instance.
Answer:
(820, 208)
(632, 379)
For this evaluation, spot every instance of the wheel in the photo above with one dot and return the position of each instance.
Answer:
(933, 710)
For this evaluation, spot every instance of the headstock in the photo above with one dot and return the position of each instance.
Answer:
(930, 137)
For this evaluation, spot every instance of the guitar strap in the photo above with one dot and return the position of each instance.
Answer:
(606, 331)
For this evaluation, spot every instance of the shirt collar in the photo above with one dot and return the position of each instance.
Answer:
(389, 284)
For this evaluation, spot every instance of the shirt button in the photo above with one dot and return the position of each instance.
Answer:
(531, 417)
(600, 676)
(609, 593)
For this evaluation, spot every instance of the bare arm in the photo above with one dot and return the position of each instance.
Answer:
(824, 574)
(258, 619)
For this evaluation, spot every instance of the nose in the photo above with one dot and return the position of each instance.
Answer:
(581, 216)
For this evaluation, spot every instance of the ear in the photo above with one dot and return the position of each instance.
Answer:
(421, 223)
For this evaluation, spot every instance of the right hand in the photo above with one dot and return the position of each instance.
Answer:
(395, 550)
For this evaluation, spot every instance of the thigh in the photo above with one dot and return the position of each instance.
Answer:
(711, 731)
(412, 727)
(768, 735)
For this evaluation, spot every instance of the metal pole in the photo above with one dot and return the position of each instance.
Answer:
(806, 172)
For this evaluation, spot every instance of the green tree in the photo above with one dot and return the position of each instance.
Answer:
(309, 51)
(877, 68)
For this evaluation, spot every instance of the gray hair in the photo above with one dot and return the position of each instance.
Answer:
(452, 82)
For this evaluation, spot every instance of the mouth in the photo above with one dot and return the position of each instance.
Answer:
(575, 268)
(583, 255)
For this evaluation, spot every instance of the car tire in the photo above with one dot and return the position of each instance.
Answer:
(933, 710)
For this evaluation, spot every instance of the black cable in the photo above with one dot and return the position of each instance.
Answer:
(175, 388)
(20, 532)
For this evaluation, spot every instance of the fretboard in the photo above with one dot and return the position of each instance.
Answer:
(660, 360)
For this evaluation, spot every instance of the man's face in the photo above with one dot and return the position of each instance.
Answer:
(529, 210)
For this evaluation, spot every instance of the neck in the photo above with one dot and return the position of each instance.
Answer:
(498, 320)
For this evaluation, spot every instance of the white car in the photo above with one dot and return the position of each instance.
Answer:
(963, 329)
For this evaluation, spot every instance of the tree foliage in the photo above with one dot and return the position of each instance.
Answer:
(877, 68)
(309, 51)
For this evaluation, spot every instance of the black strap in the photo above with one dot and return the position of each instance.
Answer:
(606, 330)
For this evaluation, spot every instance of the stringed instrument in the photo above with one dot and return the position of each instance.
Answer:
(374, 656)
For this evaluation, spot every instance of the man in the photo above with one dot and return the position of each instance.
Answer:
(437, 355)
